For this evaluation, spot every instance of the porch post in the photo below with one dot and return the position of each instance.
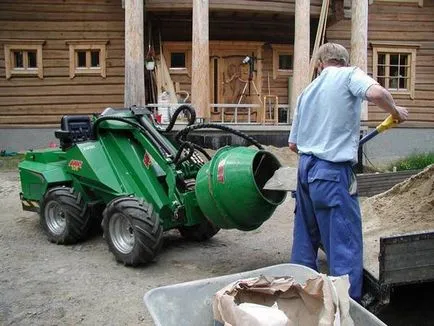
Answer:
(200, 96)
(301, 50)
(134, 93)
(359, 40)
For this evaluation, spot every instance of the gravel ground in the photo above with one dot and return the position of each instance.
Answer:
(47, 284)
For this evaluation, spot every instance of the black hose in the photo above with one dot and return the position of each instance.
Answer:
(181, 135)
(181, 108)
(181, 138)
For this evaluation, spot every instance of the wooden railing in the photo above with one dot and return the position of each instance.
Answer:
(248, 114)
(238, 113)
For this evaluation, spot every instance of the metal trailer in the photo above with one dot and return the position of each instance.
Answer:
(190, 303)
(404, 259)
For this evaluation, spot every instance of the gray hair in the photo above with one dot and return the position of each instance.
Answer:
(333, 53)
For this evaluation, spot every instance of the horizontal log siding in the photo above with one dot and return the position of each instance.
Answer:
(279, 86)
(401, 23)
(34, 101)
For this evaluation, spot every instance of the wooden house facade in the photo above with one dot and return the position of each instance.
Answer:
(238, 61)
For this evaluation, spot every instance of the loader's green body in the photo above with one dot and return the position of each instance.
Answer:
(120, 161)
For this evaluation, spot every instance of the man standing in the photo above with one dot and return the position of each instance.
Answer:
(325, 132)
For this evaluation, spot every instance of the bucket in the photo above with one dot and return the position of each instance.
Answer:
(163, 112)
(164, 107)
(229, 188)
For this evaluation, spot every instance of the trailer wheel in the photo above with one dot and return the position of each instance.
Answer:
(64, 216)
(132, 230)
(199, 232)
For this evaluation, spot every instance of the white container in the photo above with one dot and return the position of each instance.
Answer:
(164, 107)
(150, 65)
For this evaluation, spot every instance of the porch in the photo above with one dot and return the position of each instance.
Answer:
(236, 65)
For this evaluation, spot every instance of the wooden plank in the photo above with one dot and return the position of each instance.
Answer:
(374, 183)
(25, 100)
(68, 2)
(64, 71)
(55, 16)
(53, 63)
(61, 81)
(65, 35)
(79, 108)
(62, 8)
(70, 26)
(66, 90)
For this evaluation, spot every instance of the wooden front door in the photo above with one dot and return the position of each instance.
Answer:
(230, 76)
(234, 77)
(230, 82)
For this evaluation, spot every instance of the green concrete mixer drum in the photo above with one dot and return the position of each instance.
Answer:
(229, 188)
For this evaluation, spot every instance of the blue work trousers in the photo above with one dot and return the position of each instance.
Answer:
(327, 212)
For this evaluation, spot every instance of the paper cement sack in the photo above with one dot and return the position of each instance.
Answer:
(281, 301)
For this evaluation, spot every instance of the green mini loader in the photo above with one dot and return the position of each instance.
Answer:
(120, 169)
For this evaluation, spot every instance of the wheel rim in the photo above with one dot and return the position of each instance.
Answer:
(121, 233)
(55, 217)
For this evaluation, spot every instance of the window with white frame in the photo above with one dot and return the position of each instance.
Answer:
(23, 58)
(87, 57)
(394, 67)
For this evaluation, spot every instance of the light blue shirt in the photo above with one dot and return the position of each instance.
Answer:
(327, 117)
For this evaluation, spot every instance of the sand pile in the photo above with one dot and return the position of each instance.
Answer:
(283, 154)
(407, 207)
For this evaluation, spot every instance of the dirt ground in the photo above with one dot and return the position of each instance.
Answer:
(47, 284)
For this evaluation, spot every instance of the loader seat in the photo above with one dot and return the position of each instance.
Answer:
(74, 129)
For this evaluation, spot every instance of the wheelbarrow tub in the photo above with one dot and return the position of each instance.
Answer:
(190, 303)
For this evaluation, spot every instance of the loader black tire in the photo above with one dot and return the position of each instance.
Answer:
(64, 216)
(132, 230)
(199, 232)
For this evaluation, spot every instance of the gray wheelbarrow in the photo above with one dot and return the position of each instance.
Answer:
(190, 303)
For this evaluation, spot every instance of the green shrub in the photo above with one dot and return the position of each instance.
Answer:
(10, 163)
(413, 162)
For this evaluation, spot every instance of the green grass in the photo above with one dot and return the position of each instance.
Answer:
(413, 162)
(10, 163)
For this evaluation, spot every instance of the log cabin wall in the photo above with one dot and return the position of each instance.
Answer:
(31, 100)
(400, 25)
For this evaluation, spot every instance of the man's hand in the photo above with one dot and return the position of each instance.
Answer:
(401, 114)
(293, 147)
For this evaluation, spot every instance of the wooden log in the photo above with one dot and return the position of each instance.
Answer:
(134, 54)
(359, 40)
(301, 50)
(200, 96)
